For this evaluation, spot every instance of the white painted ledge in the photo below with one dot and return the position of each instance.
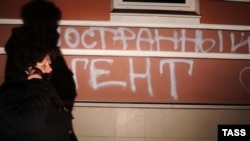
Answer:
(164, 54)
(140, 105)
(134, 24)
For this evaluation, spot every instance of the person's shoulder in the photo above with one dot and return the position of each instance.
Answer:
(1, 88)
(16, 29)
(11, 89)
(13, 86)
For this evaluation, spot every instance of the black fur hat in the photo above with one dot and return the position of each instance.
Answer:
(40, 12)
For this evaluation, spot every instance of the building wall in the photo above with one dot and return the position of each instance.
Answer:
(94, 123)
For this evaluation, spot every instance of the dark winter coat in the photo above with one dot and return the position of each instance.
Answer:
(30, 110)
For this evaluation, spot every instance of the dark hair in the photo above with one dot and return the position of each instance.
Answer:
(27, 56)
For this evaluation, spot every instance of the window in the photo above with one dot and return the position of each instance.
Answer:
(167, 5)
(155, 11)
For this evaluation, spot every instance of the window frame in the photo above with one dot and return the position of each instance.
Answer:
(154, 16)
(190, 5)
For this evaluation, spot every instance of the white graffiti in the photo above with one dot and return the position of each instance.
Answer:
(173, 79)
(97, 72)
(150, 39)
(241, 78)
(243, 42)
(94, 73)
(198, 41)
(134, 75)
(74, 66)
(76, 34)
(122, 37)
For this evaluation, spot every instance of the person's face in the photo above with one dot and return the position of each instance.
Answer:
(45, 65)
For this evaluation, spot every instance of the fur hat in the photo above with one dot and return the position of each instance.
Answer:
(40, 12)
